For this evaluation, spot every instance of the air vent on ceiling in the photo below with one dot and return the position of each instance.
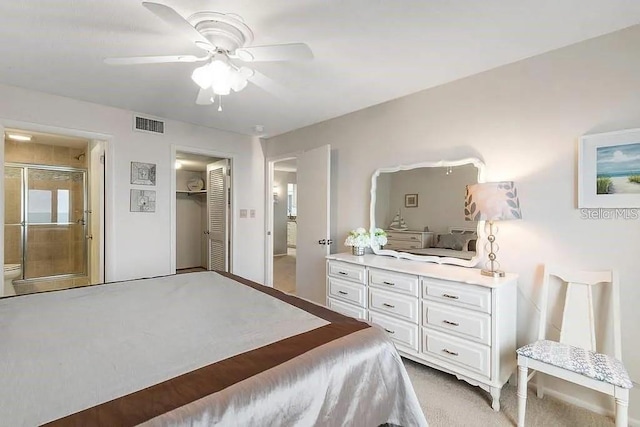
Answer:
(145, 124)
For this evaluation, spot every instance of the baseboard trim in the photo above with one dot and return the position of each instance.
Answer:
(582, 404)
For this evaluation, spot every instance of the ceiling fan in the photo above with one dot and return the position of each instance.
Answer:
(225, 38)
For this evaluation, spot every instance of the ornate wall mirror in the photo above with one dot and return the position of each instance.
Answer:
(421, 207)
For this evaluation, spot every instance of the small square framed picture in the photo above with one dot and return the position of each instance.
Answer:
(609, 170)
(143, 173)
(410, 200)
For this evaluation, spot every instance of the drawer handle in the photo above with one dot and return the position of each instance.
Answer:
(343, 273)
(450, 323)
(453, 353)
(343, 293)
(414, 238)
(388, 305)
(391, 332)
(389, 283)
(451, 296)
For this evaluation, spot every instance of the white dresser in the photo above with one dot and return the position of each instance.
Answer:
(405, 240)
(448, 317)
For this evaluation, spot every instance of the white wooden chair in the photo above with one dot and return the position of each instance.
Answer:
(574, 357)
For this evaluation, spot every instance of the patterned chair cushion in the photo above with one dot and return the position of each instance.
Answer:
(575, 359)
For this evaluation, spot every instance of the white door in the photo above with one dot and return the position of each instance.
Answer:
(313, 240)
(218, 187)
(95, 215)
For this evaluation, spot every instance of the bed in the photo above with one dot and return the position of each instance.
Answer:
(194, 349)
(458, 242)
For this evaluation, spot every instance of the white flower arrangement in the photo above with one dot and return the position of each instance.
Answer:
(361, 238)
(379, 237)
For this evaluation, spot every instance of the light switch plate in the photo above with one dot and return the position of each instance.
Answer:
(243, 213)
(252, 213)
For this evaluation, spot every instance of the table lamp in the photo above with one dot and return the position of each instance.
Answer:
(492, 201)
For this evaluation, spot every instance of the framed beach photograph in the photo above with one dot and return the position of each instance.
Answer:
(143, 173)
(410, 200)
(609, 170)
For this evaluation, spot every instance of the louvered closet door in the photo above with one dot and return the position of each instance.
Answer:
(218, 211)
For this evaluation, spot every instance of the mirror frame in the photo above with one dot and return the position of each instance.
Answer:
(429, 258)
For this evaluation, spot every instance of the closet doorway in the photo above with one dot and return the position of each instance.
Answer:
(203, 220)
(285, 225)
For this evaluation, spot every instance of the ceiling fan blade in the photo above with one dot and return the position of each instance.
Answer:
(276, 52)
(205, 97)
(133, 60)
(174, 19)
(269, 85)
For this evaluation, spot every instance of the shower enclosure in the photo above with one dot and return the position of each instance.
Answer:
(45, 220)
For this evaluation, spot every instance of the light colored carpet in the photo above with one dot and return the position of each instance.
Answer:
(446, 401)
(284, 272)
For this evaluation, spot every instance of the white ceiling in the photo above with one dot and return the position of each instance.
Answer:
(366, 52)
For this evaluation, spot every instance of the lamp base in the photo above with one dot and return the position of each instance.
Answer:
(490, 273)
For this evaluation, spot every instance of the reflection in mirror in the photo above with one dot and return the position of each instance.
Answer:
(421, 207)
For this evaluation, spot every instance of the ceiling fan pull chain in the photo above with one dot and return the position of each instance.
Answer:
(219, 102)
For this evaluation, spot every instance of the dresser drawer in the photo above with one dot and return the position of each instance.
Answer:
(458, 294)
(396, 282)
(472, 356)
(401, 306)
(464, 323)
(397, 235)
(402, 333)
(352, 272)
(402, 244)
(347, 291)
(347, 309)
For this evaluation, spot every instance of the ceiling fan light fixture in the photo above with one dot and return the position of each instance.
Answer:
(202, 77)
(221, 87)
(219, 70)
(238, 80)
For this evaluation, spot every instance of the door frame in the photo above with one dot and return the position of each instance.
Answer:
(107, 202)
(268, 209)
(173, 216)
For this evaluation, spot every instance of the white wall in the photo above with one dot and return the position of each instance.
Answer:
(138, 245)
(524, 120)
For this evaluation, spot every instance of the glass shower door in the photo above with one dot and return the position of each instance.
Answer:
(55, 223)
(13, 203)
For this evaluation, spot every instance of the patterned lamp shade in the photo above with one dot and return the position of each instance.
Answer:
(492, 201)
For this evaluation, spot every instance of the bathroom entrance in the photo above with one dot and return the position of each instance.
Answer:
(45, 219)
(48, 216)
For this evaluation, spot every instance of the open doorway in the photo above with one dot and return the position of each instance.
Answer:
(203, 212)
(54, 211)
(285, 225)
(312, 171)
